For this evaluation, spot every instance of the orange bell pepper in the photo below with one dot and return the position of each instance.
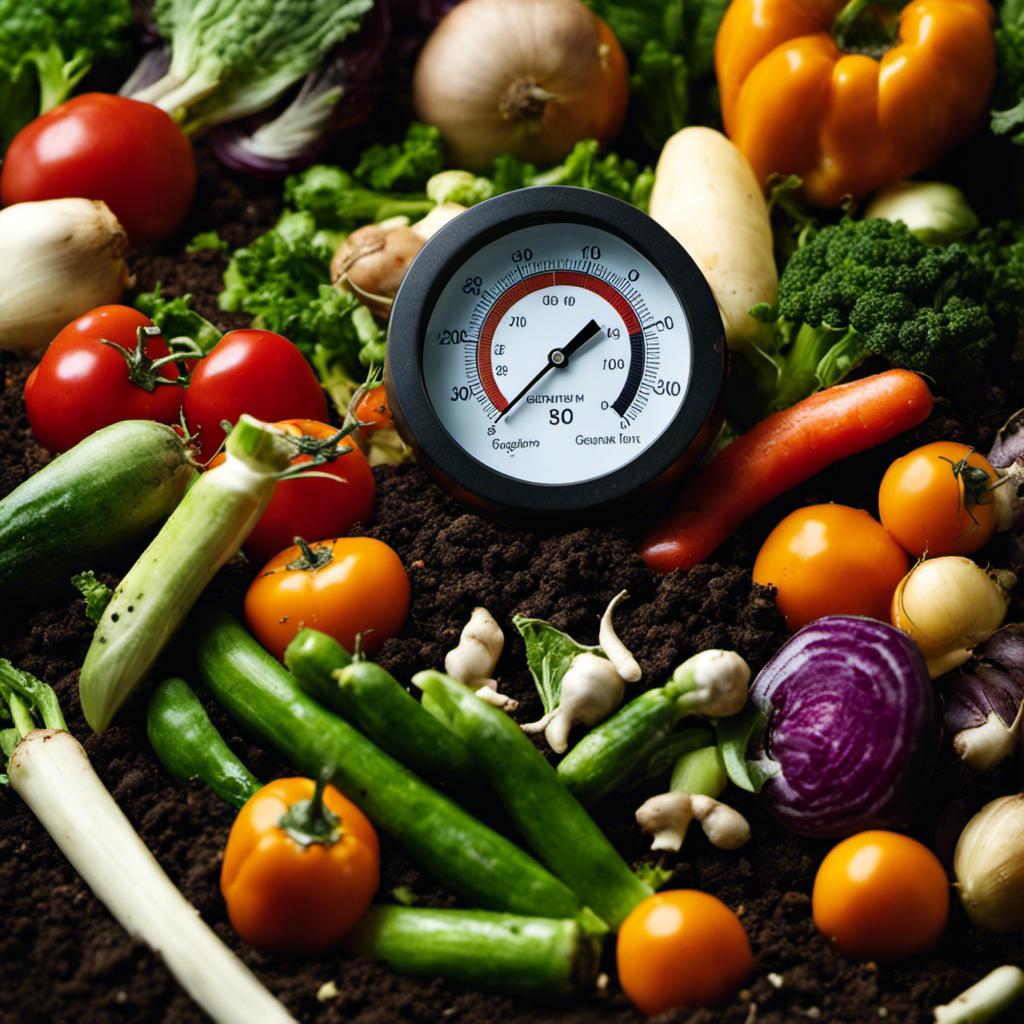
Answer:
(847, 123)
(301, 865)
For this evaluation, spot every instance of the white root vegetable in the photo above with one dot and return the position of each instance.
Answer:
(608, 640)
(706, 196)
(553, 74)
(61, 258)
(591, 690)
(51, 772)
(475, 658)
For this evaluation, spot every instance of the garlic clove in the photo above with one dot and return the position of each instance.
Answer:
(989, 865)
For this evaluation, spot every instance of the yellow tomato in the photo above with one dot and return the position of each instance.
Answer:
(681, 948)
(937, 500)
(831, 560)
(881, 895)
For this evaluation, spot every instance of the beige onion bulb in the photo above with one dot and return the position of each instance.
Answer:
(60, 259)
(989, 865)
(949, 605)
(526, 77)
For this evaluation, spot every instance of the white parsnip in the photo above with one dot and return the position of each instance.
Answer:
(706, 196)
(480, 645)
(51, 772)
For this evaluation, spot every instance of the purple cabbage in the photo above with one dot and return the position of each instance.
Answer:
(984, 698)
(851, 728)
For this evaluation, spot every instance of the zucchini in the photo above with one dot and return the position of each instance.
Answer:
(474, 861)
(206, 529)
(550, 819)
(509, 953)
(107, 491)
(189, 746)
(379, 706)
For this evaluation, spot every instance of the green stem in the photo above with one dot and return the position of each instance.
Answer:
(311, 559)
(855, 32)
(312, 821)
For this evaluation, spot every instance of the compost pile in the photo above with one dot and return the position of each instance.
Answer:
(66, 960)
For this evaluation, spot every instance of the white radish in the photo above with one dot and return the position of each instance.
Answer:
(707, 197)
(51, 772)
(618, 654)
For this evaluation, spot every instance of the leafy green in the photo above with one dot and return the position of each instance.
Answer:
(549, 653)
(283, 281)
(177, 319)
(670, 47)
(233, 58)
(97, 595)
(860, 288)
(46, 48)
(1007, 115)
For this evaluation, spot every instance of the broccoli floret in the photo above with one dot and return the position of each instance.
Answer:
(996, 274)
(870, 287)
(46, 48)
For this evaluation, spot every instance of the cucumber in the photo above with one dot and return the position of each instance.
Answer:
(508, 953)
(107, 491)
(551, 820)
(189, 745)
(379, 706)
(480, 865)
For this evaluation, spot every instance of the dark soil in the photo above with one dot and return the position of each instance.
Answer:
(65, 961)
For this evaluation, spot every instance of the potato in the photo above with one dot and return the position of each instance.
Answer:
(706, 196)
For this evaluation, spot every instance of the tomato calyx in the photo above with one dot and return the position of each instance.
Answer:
(977, 484)
(310, 559)
(319, 449)
(309, 822)
(144, 371)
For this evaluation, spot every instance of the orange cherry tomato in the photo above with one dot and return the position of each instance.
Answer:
(314, 507)
(294, 882)
(345, 587)
(681, 947)
(831, 560)
(881, 896)
(371, 411)
(937, 500)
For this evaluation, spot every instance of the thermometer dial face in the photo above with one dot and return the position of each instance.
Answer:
(553, 349)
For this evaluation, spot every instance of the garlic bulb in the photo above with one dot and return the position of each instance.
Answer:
(61, 258)
(989, 865)
(553, 75)
(949, 605)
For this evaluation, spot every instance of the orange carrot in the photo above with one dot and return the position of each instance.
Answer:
(777, 454)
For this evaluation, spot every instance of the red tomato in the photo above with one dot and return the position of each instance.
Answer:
(880, 896)
(81, 384)
(100, 146)
(312, 507)
(257, 372)
(831, 560)
(681, 948)
(937, 500)
(361, 590)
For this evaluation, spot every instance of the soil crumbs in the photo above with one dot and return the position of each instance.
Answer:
(65, 960)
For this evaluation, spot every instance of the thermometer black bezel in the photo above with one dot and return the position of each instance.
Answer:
(680, 444)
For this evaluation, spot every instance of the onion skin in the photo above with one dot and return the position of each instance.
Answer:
(853, 727)
(488, 106)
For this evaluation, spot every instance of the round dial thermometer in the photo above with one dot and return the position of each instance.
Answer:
(554, 350)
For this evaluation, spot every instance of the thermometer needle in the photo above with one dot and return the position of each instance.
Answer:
(558, 358)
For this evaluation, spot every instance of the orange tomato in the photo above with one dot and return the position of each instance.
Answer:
(831, 560)
(345, 587)
(371, 410)
(298, 892)
(937, 500)
(340, 493)
(881, 895)
(681, 947)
